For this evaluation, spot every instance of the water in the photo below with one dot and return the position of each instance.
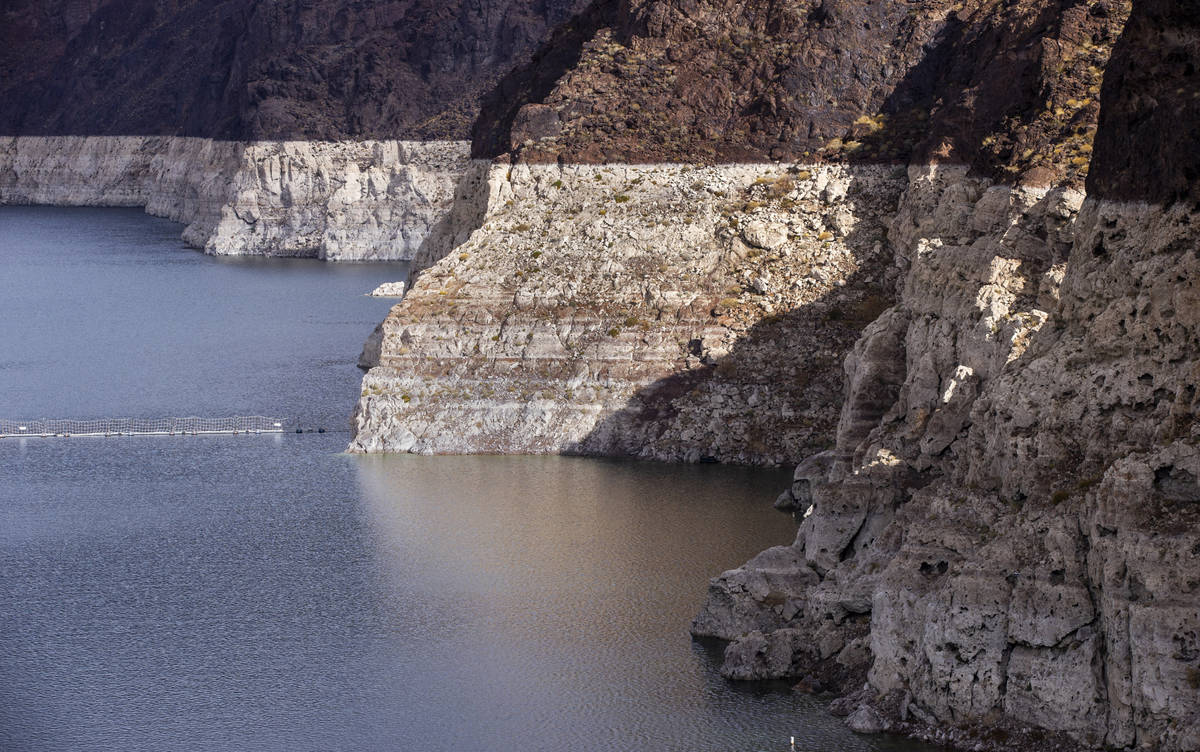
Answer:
(270, 593)
(107, 314)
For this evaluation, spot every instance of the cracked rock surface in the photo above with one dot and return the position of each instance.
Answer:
(668, 311)
(1012, 509)
(353, 200)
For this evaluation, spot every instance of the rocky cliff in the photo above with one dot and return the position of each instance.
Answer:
(660, 311)
(1006, 532)
(1001, 526)
(316, 109)
(341, 201)
(283, 70)
(1004, 541)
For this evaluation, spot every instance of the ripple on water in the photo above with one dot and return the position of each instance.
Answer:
(269, 593)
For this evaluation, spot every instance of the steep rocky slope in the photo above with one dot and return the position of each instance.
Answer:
(340, 201)
(1006, 536)
(1010, 88)
(248, 70)
(1001, 538)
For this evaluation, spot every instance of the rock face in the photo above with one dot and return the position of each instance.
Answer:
(665, 312)
(1012, 510)
(332, 200)
(1009, 88)
(1001, 532)
(260, 71)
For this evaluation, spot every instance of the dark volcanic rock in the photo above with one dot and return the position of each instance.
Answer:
(1009, 87)
(247, 69)
(1148, 148)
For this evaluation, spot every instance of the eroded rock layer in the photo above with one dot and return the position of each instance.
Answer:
(332, 200)
(1010, 520)
(666, 311)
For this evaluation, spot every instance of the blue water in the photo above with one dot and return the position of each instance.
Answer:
(108, 314)
(262, 593)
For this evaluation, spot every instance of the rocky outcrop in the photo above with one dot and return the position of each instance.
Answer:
(260, 71)
(1012, 507)
(1001, 505)
(667, 311)
(332, 200)
(1009, 88)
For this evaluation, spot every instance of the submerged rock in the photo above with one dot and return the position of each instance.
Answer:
(866, 720)
(369, 358)
(390, 290)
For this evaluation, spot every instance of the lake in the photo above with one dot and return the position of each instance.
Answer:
(261, 593)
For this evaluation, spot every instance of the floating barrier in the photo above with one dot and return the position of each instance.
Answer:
(141, 426)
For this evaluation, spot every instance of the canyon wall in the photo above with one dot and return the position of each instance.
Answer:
(244, 70)
(848, 235)
(340, 201)
(1002, 548)
(1007, 533)
(664, 311)
(711, 294)
(987, 374)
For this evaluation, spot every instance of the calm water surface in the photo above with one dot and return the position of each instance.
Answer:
(270, 593)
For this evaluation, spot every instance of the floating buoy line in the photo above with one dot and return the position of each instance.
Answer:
(190, 426)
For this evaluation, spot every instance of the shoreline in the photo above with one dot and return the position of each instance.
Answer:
(332, 200)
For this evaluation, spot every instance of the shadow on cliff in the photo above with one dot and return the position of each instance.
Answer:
(947, 105)
(773, 399)
(987, 93)
(248, 70)
(992, 87)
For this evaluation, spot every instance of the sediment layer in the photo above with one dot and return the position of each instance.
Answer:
(665, 311)
(340, 201)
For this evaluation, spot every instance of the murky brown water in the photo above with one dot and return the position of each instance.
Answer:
(262, 593)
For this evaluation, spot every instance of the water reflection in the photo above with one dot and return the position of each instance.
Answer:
(555, 595)
(270, 594)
